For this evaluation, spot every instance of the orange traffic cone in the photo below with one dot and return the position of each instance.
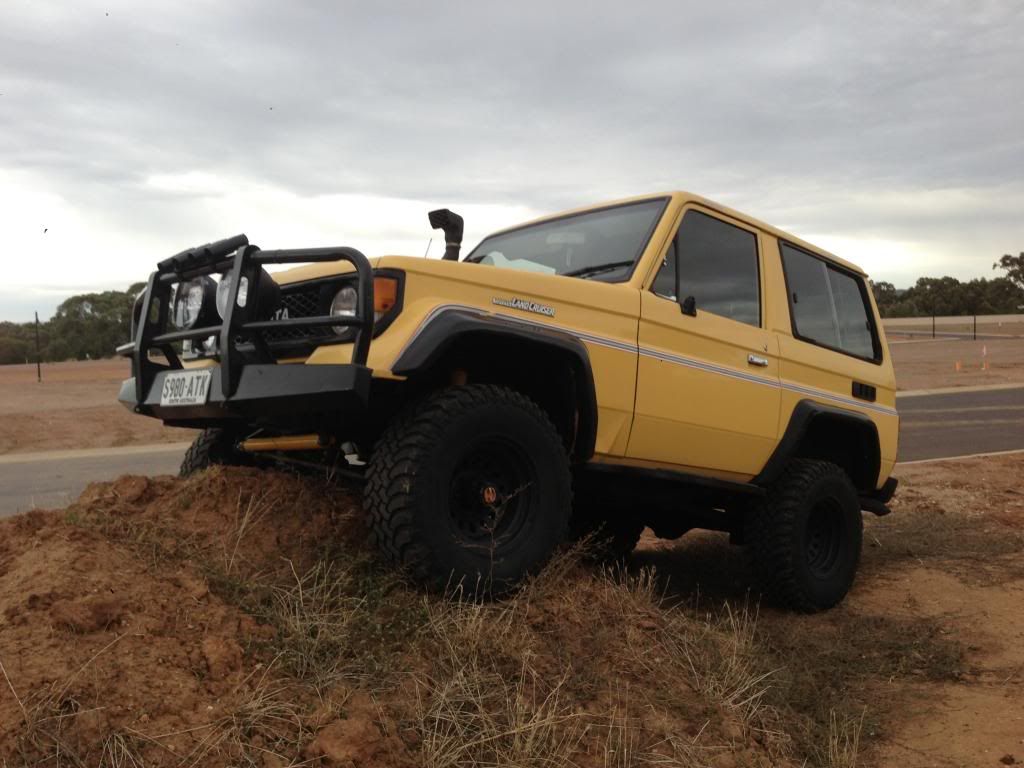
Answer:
(957, 367)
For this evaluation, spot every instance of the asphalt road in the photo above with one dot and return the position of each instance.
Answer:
(936, 425)
(55, 478)
(960, 423)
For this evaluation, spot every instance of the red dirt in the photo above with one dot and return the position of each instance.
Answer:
(104, 647)
(75, 406)
(975, 591)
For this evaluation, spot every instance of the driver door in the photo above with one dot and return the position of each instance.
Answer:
(708, 392)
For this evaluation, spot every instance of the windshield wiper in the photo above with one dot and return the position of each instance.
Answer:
(596, 269)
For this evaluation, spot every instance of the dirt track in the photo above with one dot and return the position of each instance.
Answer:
(928, 364)
(75, 406)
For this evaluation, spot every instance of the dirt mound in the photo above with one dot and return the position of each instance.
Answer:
(113, 642)
(236, 617)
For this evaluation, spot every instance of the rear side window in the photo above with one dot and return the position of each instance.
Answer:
(717, 265)
(829, 306)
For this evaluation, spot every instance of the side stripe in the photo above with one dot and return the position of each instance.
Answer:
(655, 353)
(708, 367)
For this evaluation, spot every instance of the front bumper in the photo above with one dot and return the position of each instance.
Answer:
(262, 393)
(248, 384)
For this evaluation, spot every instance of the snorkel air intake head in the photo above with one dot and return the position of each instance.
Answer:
(451, 223)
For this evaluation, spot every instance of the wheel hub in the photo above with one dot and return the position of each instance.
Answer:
(486, 500)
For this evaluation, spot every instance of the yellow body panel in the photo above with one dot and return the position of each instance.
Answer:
(673, 391)
(588, 309)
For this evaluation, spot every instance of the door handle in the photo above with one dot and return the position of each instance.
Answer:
(757, 360)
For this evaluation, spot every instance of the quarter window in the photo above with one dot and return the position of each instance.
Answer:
(829, 305)
(717, 265)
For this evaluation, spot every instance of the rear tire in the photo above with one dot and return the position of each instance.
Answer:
(804, 538)
(472, 487)
(212, 446)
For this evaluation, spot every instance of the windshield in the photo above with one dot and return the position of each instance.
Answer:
(602, 245)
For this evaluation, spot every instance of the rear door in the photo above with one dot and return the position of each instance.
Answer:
(708, 377)
(835, 354)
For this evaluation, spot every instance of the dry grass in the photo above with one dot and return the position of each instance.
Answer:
(267, 724)
(844, 740)
(315, 617)
(515, 683)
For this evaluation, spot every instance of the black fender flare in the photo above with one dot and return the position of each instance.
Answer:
(444, 330)
(800, 421)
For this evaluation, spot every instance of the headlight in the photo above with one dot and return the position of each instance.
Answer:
(224, 287)
(187, 302)
(344, 305)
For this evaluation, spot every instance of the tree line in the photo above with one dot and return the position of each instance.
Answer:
(949, 296)
(91, 325)
(87, 326)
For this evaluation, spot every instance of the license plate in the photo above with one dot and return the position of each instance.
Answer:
(186, 388)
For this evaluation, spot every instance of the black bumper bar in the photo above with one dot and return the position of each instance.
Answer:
(263, 391)
(247, 382)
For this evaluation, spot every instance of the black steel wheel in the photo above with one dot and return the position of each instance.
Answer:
(470, 487)
(804, 539)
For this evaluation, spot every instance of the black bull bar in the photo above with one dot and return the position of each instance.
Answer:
(247, 383)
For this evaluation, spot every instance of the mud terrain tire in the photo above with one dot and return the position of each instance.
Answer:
(804, 538)
(470, 486)
(212, 446)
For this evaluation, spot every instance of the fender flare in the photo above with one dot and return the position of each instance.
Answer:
(444, 330)
(800, 421)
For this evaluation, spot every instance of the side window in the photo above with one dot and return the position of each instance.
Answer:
(717, 265)
(829, 306)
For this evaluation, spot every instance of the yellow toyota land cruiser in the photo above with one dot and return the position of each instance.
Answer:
(660, 362)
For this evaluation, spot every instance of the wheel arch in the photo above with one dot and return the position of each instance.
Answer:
(817, 431)
(523, 355)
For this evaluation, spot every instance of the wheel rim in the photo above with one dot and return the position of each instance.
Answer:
(490, 491)
(824, 538)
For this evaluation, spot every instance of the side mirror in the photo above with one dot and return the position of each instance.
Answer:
(689, 306)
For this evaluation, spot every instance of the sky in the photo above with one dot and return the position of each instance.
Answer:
(888, 133)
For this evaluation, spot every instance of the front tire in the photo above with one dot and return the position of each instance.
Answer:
(212, 446)
(471, 487)
(805, 538)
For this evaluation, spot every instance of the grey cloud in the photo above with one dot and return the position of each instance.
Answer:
(793, 107)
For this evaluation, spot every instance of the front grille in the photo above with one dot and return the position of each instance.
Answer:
(303, 301)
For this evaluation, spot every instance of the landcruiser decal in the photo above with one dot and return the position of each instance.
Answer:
(526, 306)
